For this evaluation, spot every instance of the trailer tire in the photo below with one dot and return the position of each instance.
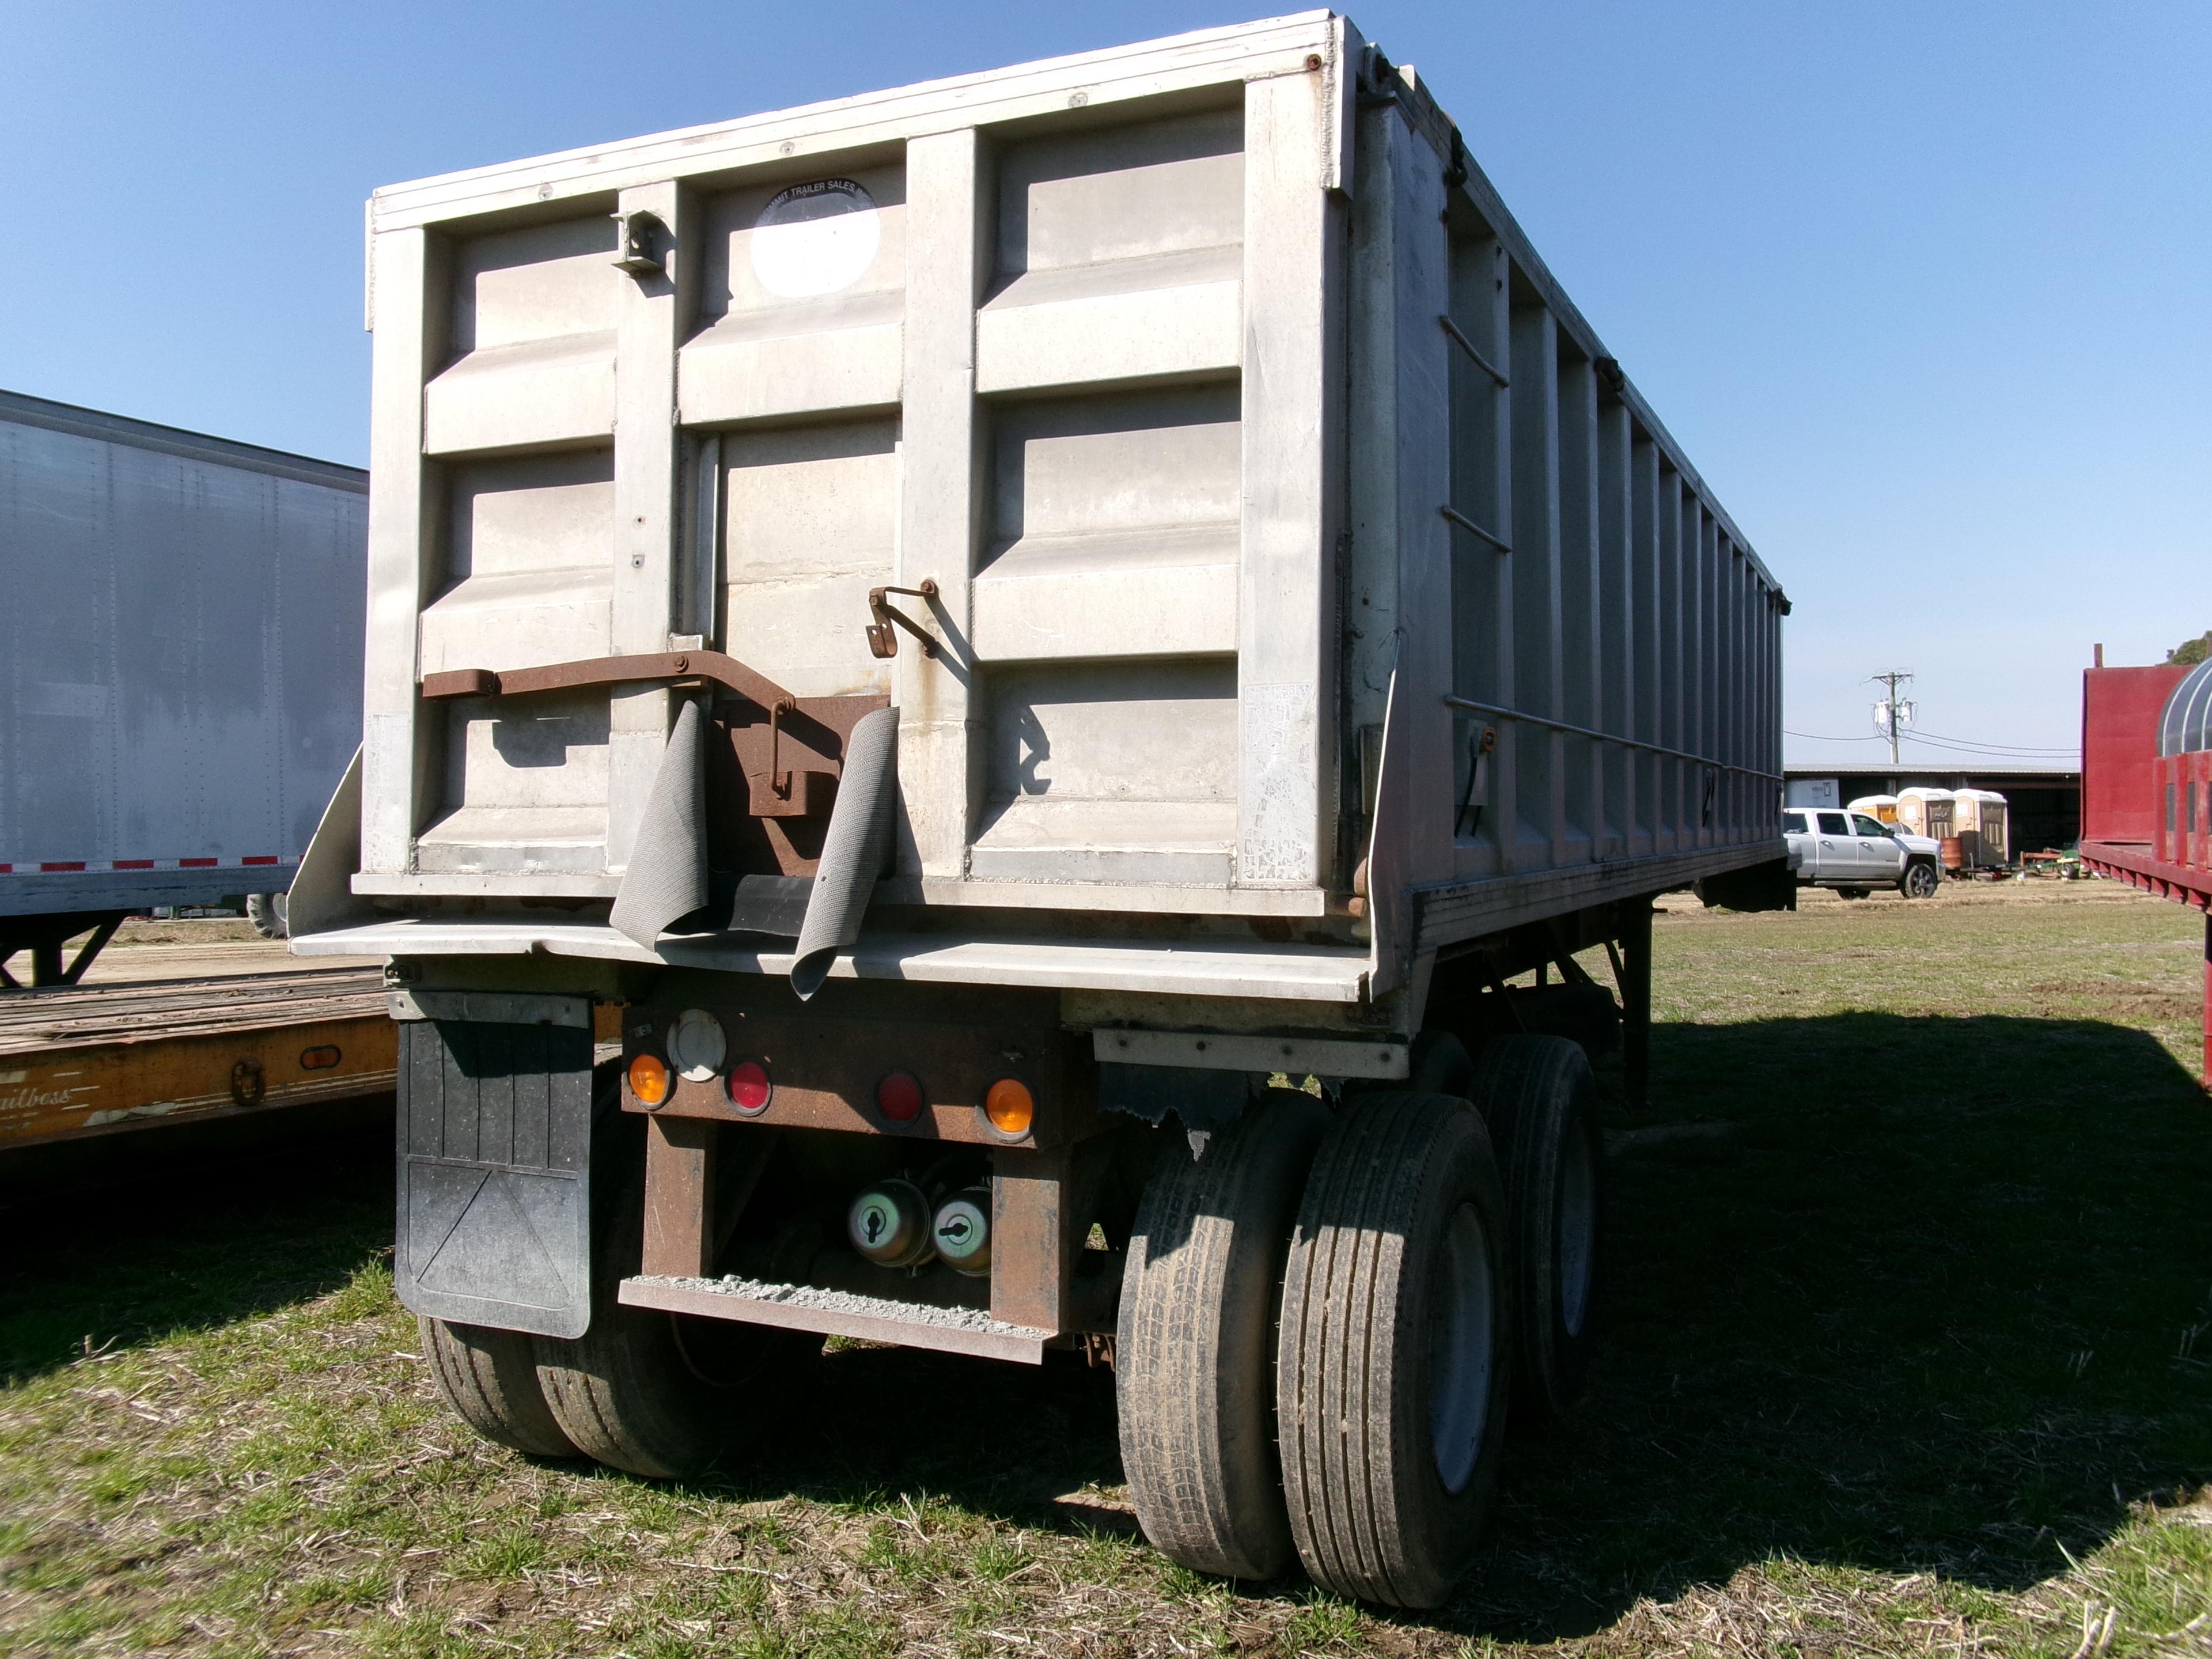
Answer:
(1920, 880)
(1439, 1065)
(1539, 1100)
(650, 1393)
(489, 1377)
(1194, 1347)
(1583, 1013)
(269, 913)
(1395, 1349)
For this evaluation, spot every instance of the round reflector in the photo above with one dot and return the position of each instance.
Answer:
(750, 1088)
(648, 1080)
(898, 1097)
(696, 1046)
(1010, 1107)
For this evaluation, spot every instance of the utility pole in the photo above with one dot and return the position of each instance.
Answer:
(1890, 713)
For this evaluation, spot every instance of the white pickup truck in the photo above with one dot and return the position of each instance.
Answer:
(1855, 854)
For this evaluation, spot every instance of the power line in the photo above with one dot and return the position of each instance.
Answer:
(1966, 747)
(2022, 749)
(1961, 745)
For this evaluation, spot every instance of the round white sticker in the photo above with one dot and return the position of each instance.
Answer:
(815, 239)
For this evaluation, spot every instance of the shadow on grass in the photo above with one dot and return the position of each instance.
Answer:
(174, 1229)
(1921, 1295)
(1924, 1295)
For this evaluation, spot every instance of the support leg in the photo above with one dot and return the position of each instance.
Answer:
(1635, 1000)
(91, 948)
(679, 1196)
(2207, 998)
(1033, 1237)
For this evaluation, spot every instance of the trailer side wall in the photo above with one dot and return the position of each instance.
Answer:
(181, 643)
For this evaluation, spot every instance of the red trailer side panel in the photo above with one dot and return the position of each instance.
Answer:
(2124, 797)
(2120, 709)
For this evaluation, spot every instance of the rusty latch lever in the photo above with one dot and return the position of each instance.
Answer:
(778, 779)
(883, 636)
(725, 672)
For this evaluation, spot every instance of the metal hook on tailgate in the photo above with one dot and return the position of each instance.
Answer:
(883, 636)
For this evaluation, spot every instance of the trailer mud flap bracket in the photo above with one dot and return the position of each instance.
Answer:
(493, 1225)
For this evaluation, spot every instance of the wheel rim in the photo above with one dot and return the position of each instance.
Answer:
(1578, 1241)
(1460, 1349)
(1921, 883)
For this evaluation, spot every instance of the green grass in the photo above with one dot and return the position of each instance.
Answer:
(1910, 1348)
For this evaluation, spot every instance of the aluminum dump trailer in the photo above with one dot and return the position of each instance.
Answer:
(180, 668)
(2147, 787)
(1057, 640)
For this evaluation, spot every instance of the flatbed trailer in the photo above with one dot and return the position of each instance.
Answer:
(1050, 644)
(87, 1062)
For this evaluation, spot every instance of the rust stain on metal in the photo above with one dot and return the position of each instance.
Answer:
(724, 671)
(883, 630)
(825, 1074)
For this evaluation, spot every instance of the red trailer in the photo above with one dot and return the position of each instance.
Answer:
(2146, 771)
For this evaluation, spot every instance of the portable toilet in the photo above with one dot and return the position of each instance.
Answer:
(1883, 807)
(1978, 819)
(1926, 811)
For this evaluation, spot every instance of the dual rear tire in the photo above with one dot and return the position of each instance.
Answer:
(648, 1393)
(1393, 1367)
(1415, 1263)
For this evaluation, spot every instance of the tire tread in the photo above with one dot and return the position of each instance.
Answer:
(490, 1378)
(1345, 1448)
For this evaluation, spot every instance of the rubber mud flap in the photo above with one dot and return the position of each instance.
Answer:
(1769, 886)
(858, 841)
(495, 1132)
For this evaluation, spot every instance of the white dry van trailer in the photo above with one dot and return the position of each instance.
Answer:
(999, 624)
(180, 648)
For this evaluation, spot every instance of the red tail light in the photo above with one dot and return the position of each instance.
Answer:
(750, 1087)
(898, 1097)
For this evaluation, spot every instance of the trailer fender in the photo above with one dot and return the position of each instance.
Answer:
(1769, 886)
(496, 1123)
(1206, 1102)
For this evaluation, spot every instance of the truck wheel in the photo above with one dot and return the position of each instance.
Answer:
(267, 912)
(1920, 881)
(652, 1393)
(1853, 892)
(489, 1377)
(1585, 1014)
(1194, 1352)
(1539, 1100)
(1439, 1066)
(1396, 1342)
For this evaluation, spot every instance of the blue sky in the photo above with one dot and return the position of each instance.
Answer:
(1924, 290)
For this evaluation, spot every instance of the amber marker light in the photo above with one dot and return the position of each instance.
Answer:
(1010, 1106)
(648, 1080)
